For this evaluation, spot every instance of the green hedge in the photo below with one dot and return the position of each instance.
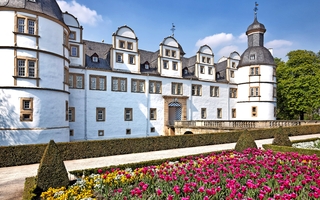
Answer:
(29, 154)
(29, 188)
(291, 149)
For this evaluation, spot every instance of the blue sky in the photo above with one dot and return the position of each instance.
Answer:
(290, 25)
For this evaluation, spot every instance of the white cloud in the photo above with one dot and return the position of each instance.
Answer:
(278, 44)
(225, 51)
(84, 14)
(216, 40)
(242, 38)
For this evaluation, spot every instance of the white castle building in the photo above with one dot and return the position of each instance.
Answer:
(55, 85)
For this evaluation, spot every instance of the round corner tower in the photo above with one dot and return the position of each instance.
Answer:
(256, 79)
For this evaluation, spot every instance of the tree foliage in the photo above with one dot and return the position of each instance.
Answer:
(298, 84)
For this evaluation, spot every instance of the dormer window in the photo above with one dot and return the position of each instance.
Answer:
(173, 54)
(185, 71)
(208, 60)
(72, 35)
(167, 52)
(122, 44)
(95, 59)
(129, 45)
(218, 75)
(252, 57)
(146, 66)
(33, 0)
(233, 64)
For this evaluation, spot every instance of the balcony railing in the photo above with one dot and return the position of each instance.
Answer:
(241, 124)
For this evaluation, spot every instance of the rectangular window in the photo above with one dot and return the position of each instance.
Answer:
(128, 114)
(208, 60)
(26, 68)
(254, 71)
(233, 64)
(71, 114)
(66, 76)
(196, 90)
(137, 85)
(210, 70)
(203, 113)
(76, 81)
(202, 69)
(71, 132)
(214, 91)
(129, 45)
(167, 52)
(152, 129)
(119, 57)
(254, 111)
(232, 74)
(274, 73)
(219, 113)
(254, 91)
(203, 59)
(176, 88)
(100, 132)
(174, 65)
(153, 113)
(252, 57)
(274, 92)
(97, 82)
(119, 84)
(74, 51)
(72, 35)
(165, 64)
(233, 92)
(100, 114)
(67, 111)
(26, 25)
(233, 113)
(132, 59)
(173, 54)
(122, 44)
(128, 131)
(26, 109)
(155, 87)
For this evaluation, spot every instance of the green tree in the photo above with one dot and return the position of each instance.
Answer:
(298, 85)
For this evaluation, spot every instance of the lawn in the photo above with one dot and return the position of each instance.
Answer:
(252, 174)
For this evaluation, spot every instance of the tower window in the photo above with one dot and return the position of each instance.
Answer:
(252, 57)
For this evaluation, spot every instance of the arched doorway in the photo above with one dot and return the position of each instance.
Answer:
(175, 112)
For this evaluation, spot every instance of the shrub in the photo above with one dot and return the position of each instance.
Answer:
(281, 138)
(245, 141)
(52, 171)
(29, 187)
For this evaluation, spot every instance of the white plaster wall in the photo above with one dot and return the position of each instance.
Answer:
(265, 111)
(19, 137)
(206, 75)
(206, 50)
(51, 36)
(126, 32)
(70, 20)
(170, 42)
(51, 71)
(125, 65)
(7, 28)
(170, 72)
(6, 67)
(48, 117)
(134, 44)
(78, 34)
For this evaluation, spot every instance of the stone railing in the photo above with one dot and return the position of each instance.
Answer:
(240, 124)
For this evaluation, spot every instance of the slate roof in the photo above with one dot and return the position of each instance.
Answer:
(152, 59)
(262, 57)
(256, 25)
(47, 7)
(102, 50)
(221, 69)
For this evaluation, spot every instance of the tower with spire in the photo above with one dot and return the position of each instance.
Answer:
(256, 77)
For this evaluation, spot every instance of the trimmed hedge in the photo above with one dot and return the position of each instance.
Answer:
(245, 141)
(29, 154)
(291, 149)
(29, 187)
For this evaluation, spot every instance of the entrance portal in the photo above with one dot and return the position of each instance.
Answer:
(175, 112)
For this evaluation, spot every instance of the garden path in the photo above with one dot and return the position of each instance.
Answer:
(12, 178)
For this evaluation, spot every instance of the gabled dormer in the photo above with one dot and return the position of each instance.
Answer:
(170, 55)
(124, 52)
(95, 58)
(232, 66)
(204, 67)
(73, 39)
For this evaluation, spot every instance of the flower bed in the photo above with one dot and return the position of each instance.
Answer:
(253, 174)
(308, 144)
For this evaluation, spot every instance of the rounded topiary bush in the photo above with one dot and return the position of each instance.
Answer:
(281, 138)
(245, 141)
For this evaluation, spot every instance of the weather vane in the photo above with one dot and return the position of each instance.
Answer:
(173, 29)
(255, 10)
